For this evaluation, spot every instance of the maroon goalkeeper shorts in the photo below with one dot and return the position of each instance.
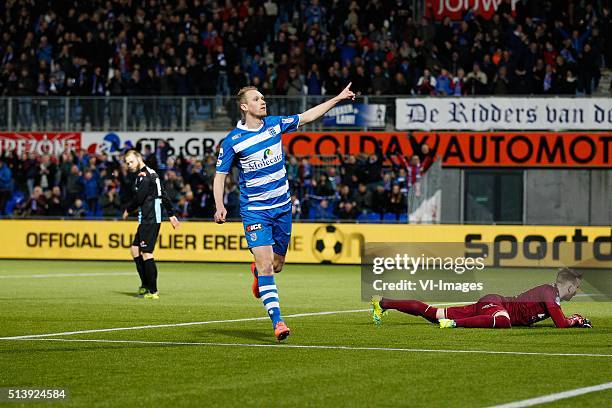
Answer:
(487, 305)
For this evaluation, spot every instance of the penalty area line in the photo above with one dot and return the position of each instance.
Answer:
(544, 399)
(158, 326)
(319, 347)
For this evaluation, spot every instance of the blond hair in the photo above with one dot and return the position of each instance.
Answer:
(241, 98)
(132, 152)
(567, 275)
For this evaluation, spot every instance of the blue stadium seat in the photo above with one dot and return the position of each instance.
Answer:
(311, 213)
(403, 217)
(362, 217)
(374, 217)
(390, 217)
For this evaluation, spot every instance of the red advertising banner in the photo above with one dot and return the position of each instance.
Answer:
(468, 149)
(39, 142)
(439, 9)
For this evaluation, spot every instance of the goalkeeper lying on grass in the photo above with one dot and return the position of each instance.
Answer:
(499, 312)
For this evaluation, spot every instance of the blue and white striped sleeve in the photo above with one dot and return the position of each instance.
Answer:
(226, 157)
(289, 123)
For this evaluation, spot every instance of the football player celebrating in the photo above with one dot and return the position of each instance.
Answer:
(256, 148)
(498, 312)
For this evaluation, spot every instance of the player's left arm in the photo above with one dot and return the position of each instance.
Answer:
(557, 316)
(167, 203)
(316, 112)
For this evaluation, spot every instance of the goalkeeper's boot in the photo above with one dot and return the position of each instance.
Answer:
(142, 291)
(281, 331)
(151, 296)
(377, 311)
(447, 323)
(255, 287)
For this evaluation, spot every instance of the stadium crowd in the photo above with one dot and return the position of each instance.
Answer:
(201, 47)
(79, 184)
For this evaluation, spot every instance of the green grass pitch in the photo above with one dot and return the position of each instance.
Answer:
(220, 364)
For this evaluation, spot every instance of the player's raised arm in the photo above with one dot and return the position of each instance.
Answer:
(218, 190)
(316, 112)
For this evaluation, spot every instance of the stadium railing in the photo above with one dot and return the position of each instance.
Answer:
(155, 113)
(189, 113)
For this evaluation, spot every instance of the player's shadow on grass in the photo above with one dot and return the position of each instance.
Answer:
(252, 335)
(130, 294)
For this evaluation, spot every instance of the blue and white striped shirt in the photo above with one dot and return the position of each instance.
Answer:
(259, 155)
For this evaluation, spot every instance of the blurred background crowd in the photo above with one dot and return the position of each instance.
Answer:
(200, 47)
(310, 47)
(81, 184)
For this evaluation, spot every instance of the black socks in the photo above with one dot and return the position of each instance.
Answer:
(141, 270)
(150, 271)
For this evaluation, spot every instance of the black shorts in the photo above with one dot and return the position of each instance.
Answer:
(146, 237)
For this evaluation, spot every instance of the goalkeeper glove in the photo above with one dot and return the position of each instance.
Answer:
(580, 321)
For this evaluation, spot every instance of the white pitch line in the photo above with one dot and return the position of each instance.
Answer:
(555, 397)
(157, 326)
(316, 347)
(65, 275)
(591, 295)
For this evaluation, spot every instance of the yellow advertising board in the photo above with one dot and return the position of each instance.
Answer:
(310, 242)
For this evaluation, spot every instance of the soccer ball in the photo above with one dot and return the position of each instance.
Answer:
(327, 244)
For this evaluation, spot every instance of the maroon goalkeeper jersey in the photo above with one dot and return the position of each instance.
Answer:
(534, 305)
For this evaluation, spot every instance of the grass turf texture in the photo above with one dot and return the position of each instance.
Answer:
(120, 374)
